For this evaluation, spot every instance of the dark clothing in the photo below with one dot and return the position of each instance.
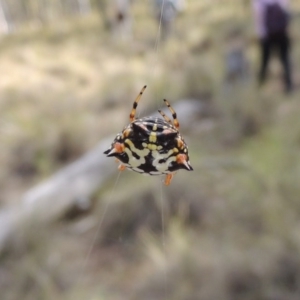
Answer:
(279, 45)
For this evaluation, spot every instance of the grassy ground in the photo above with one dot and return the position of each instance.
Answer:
(231, 228)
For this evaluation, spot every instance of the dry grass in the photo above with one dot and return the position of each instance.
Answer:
(231, 228)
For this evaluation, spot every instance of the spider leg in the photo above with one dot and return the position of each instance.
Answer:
(168, 178)
(165, 117)
(174, 115)
(135, 104)
(121, 167)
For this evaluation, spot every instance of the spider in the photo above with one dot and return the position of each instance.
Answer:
(151, 145)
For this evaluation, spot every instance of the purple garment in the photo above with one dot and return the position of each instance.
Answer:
(259, 12)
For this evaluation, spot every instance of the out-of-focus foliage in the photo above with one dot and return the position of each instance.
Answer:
(231, 228)
(16, 13)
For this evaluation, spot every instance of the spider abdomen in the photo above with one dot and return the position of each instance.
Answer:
(151, 146)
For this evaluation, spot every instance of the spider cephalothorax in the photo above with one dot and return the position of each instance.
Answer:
(151, 145)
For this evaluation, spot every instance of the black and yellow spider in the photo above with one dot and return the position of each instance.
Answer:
(151, 145)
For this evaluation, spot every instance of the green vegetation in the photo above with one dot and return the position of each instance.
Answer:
(231, 228)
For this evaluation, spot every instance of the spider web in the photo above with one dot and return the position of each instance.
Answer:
(114, 188)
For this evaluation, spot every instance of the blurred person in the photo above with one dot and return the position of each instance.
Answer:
(122, 19)
(272, 22)
(235, 60)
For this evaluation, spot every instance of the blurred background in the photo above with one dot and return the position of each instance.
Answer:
(72, 227)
